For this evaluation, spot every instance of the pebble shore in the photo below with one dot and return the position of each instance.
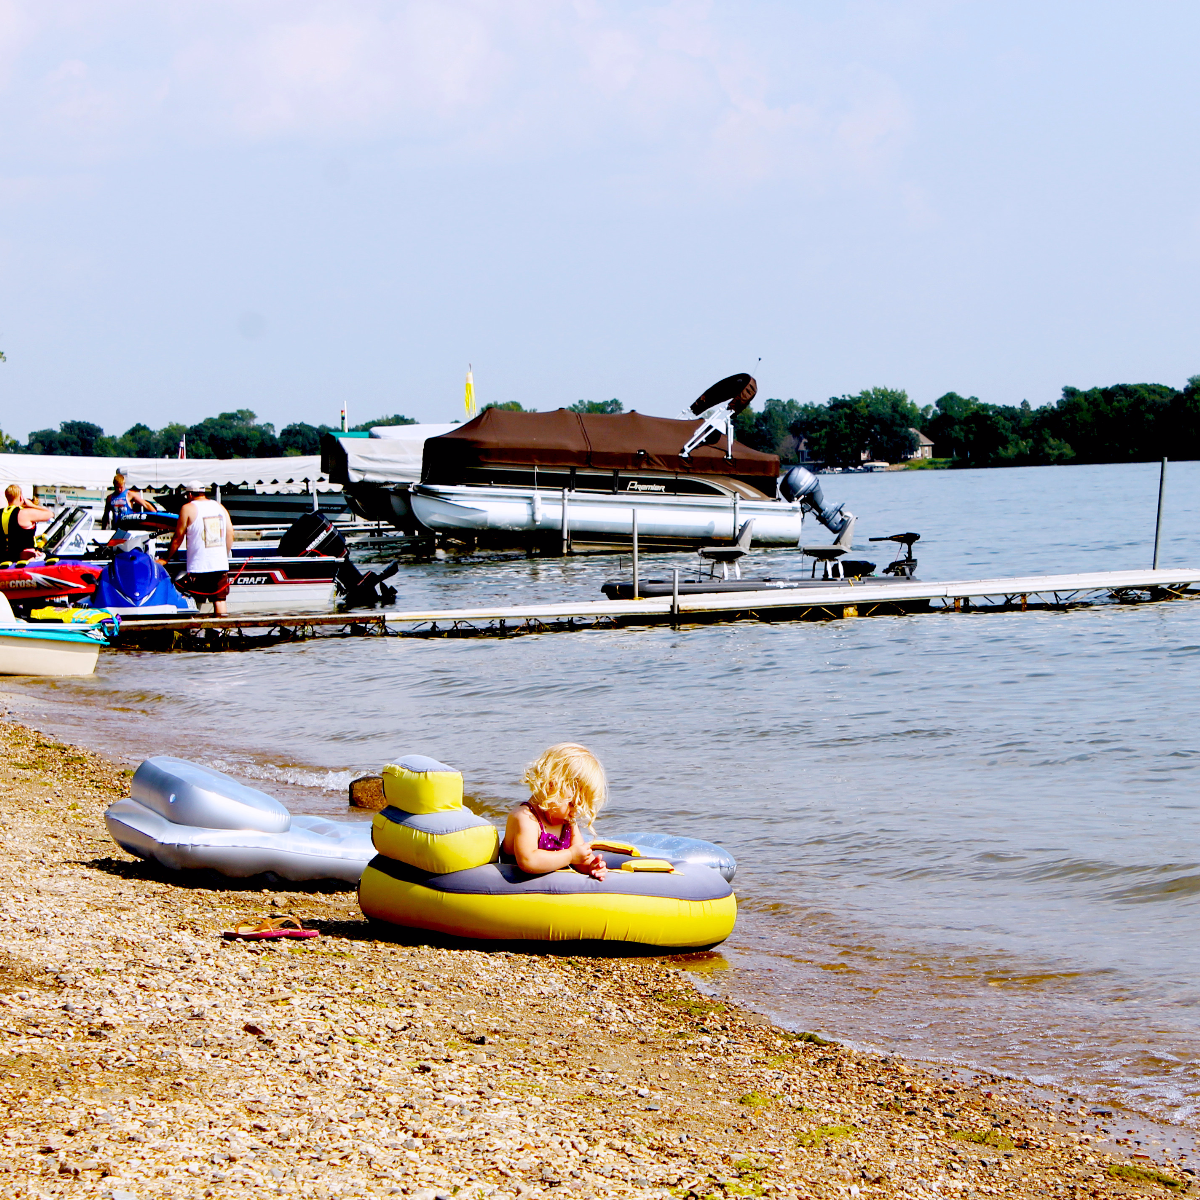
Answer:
(144, 1056)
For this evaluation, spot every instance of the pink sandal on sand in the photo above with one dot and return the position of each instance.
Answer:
(269, 927)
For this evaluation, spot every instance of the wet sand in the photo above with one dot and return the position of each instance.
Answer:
(144, 1056)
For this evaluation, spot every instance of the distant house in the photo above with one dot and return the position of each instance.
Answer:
(924, 446)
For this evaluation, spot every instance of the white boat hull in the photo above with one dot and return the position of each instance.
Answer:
(26, 655)
(603, 517)
(280, 597)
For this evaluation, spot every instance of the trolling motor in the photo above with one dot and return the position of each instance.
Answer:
(902, 568)
(314, 533)
(801, 484)
(716, 409)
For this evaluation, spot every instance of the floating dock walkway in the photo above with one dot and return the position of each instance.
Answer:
(871, 597)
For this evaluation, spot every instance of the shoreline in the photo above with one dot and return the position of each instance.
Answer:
(144, 1056)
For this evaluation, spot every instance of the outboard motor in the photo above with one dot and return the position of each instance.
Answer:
(801, 484)
(314, 533)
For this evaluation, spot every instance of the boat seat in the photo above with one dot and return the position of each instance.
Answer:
(828, 556)
(729, 554)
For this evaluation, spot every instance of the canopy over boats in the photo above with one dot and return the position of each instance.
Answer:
(298, 473)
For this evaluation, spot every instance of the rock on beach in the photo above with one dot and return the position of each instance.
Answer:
(144, 1056)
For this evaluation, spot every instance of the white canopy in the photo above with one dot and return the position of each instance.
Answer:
(298, 473)
(392, 454)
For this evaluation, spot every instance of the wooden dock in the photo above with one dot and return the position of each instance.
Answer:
(872, 597)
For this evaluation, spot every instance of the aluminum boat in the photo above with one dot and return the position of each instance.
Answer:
(560, 481)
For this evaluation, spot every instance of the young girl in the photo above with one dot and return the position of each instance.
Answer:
(567, 786)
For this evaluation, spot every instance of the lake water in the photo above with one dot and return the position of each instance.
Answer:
(973, 837)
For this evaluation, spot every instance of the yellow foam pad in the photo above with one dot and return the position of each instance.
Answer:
(422, 791)
(647, 864)
(615, 847)
(438, 853)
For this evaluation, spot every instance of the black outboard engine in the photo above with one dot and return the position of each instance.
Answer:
(801, 484)
(314, 533)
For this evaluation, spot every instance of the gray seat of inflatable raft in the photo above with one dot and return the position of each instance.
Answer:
(186, 816)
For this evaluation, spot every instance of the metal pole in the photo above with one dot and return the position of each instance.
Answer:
(636, 580)
(1162, 484)
(566, 524)
(735, 516)
(675, 592)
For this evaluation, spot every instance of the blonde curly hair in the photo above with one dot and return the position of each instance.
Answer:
(569, 770)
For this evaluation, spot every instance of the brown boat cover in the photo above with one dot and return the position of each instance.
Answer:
(606, 442)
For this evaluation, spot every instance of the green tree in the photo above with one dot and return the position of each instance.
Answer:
(71, 437)
(597, 406)
(879, 421)
(507, 406)
(780, 427)
(1128, 422)
(302, 438)
(233, 435)
(367, 426)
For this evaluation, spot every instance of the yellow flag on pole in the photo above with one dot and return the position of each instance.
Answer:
(469, 397)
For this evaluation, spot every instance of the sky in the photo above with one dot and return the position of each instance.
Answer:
(291, 205)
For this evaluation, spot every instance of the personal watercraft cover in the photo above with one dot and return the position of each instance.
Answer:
(602, 441)
(135, 580)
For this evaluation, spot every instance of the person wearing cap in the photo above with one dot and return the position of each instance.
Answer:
(208, 529)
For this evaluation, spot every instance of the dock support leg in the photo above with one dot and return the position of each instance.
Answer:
(636, 577)
(1162, 484)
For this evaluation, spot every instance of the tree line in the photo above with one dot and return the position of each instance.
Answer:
(1126, 422)
(1122, 423)
(229, 435)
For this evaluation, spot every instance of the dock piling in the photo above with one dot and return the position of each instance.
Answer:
(636, 577)
(1162, 485)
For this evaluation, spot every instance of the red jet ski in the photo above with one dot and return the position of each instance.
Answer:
(39, 580)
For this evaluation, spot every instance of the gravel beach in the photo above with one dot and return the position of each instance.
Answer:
(144, 1056)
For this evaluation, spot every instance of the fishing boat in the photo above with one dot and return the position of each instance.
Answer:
(563, 481)
(29, 649)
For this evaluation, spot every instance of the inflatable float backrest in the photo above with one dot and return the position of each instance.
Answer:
(417, 784)
(425, 824)
(189, 794)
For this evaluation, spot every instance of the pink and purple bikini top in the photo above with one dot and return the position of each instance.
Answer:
(548, 840)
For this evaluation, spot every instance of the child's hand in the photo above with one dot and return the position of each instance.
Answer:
(587, 862)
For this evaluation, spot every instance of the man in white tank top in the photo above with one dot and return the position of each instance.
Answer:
(209, 533)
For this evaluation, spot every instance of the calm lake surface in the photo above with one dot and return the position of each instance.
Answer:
(968, 837)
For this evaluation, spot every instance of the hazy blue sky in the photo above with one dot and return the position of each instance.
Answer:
(284, 204)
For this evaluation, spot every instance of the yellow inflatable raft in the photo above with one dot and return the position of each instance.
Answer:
(438, 868)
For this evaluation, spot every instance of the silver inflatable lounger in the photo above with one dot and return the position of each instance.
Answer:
(186, 816)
